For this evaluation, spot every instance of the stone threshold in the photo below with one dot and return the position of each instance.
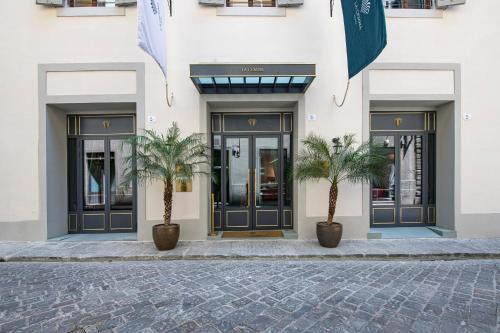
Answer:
(377, 250)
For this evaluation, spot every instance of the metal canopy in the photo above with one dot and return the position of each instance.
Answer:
(252, 78)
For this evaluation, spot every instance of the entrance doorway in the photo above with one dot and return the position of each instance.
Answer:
(98, 152)
(406, 196)
(252, 171)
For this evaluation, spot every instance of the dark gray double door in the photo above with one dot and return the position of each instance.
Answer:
(99, 199)
(253, 182)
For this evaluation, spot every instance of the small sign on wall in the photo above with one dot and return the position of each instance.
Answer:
(184, 186)
(312, 117)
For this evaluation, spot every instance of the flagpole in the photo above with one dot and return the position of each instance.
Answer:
(169, 102)
(345, 96)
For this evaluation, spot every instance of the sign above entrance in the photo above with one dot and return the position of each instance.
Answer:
(252, 78)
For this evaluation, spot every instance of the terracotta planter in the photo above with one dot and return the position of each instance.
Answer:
(166, 236)
(329, 235)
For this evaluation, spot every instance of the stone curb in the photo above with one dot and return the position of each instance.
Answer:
(332, 257)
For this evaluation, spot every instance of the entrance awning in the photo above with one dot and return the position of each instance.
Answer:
(252, 78)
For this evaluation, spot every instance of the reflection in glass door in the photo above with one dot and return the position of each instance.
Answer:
(405, 195)
(411, 171)
(107, 200)
(252, 167)
(253, 185)
(122, 193)
(94, 178)
(238, 183)
(384, 191)
(267, 182)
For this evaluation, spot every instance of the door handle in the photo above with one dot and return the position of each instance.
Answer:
(248, 189)
(255, 187)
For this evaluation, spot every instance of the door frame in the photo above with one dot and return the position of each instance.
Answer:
(77, 217)
(251, 136)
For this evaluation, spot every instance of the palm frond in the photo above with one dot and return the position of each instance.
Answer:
(349, 162)
(167, 156)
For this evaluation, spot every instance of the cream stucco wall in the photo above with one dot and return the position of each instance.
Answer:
(32, 35)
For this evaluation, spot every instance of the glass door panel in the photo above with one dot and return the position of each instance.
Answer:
(216, 183)
(217, 170)
(267, 182)
(384, 191)
(411, 178)
(237, 172)
(94, 188)
(266, 172)
(121, 192)
(238, 183)
(411, 169)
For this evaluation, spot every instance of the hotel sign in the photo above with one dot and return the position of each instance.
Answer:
(216, 70)
(252, 69)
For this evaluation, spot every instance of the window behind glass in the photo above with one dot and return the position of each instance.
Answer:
(90, 3)
(408, 4)
(251, 3)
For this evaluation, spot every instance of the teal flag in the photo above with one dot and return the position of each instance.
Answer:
(365, 32)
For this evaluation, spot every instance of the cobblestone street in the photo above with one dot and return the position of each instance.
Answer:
(250, 296)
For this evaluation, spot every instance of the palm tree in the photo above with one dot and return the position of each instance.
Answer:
(342, 161)
(167, 158)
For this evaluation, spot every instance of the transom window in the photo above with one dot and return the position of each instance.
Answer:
(90, 3)
(408, 4)
(250, 3)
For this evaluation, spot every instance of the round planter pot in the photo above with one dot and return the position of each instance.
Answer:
(329, 235)
(166, 236)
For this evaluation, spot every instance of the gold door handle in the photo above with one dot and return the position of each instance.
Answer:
(255, 187)
(248, 189)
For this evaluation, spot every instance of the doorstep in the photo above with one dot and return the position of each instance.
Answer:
(410, 233)
(104, 237)
(286, 234)
(279, 249)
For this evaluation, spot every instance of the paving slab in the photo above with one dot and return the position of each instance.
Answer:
(250, 296)
(385, 249)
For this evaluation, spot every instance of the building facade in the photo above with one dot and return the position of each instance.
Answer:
(256, 77)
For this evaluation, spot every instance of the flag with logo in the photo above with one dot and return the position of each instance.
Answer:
(365, 32)
(151, 30)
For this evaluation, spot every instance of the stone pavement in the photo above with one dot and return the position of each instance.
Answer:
(419, 249)
(251, 296)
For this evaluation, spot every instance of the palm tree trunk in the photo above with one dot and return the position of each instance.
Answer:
(167, 201)
(332, 203)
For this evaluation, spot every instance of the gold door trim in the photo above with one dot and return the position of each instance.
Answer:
(408, 222)
(393, 216)
(97, 214)
(76, 222)
(237, 226)
(111, 221)
(267, 225)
